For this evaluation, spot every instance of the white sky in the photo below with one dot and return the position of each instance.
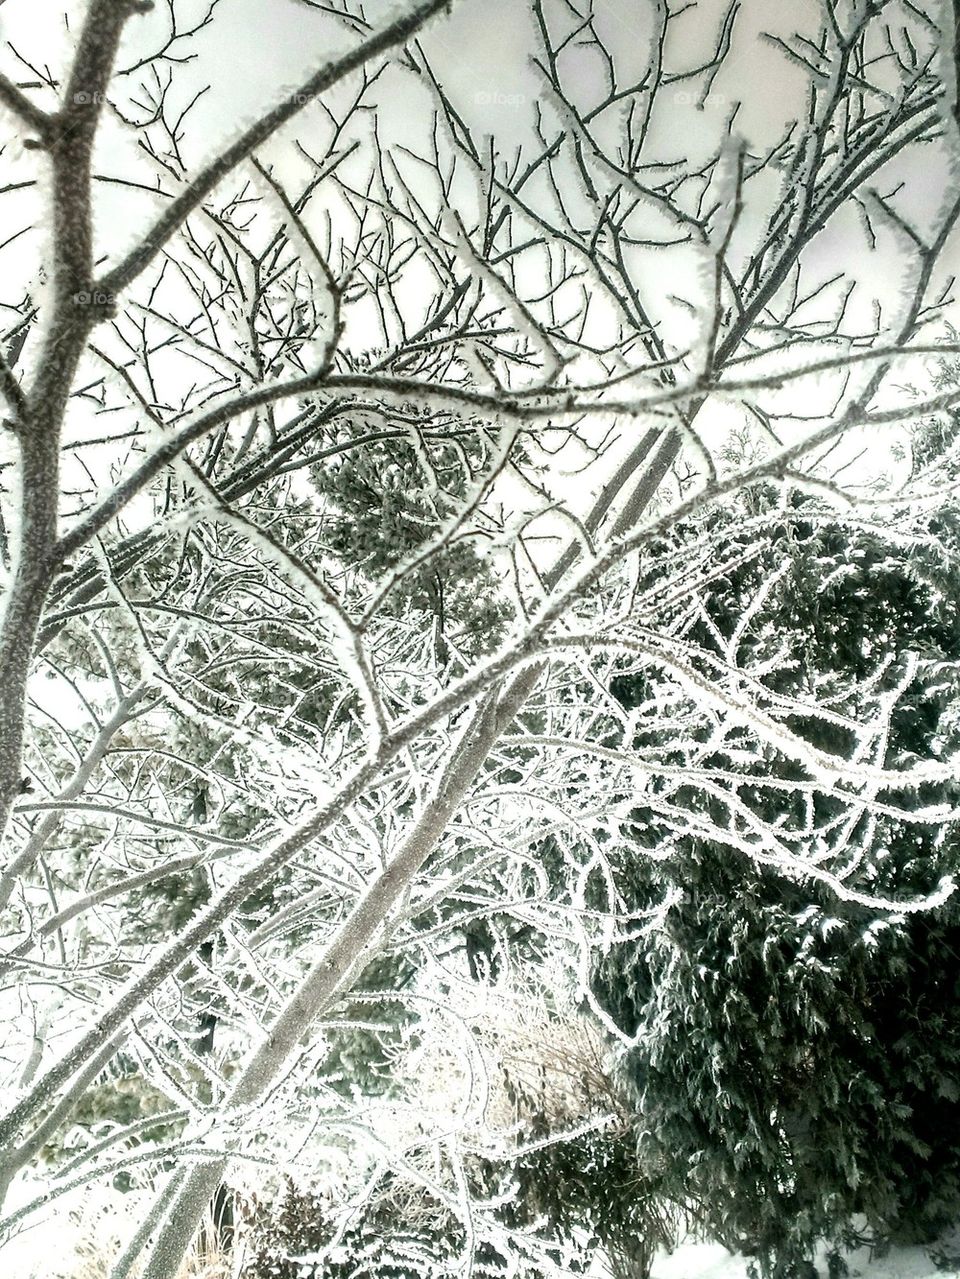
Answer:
(255, 51)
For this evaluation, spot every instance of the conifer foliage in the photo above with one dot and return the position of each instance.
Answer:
(796, 1065)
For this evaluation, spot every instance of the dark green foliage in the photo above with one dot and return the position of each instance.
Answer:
(359, 1059)
(799, 1061)
(119, 1096)
(386, 503)
(594, 1192)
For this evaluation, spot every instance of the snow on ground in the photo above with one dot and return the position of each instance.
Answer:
(63, 1244)
(699, 1260)
(711, 1261)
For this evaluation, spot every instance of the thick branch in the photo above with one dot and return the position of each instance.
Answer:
(31, 115)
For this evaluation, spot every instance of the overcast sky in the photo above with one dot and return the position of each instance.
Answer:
(255, 50)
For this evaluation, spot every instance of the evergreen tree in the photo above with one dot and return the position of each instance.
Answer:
(796, 1061)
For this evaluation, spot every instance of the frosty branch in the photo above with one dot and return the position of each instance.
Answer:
(348, 496)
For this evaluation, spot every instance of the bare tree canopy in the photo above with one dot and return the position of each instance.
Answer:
(353, 457)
